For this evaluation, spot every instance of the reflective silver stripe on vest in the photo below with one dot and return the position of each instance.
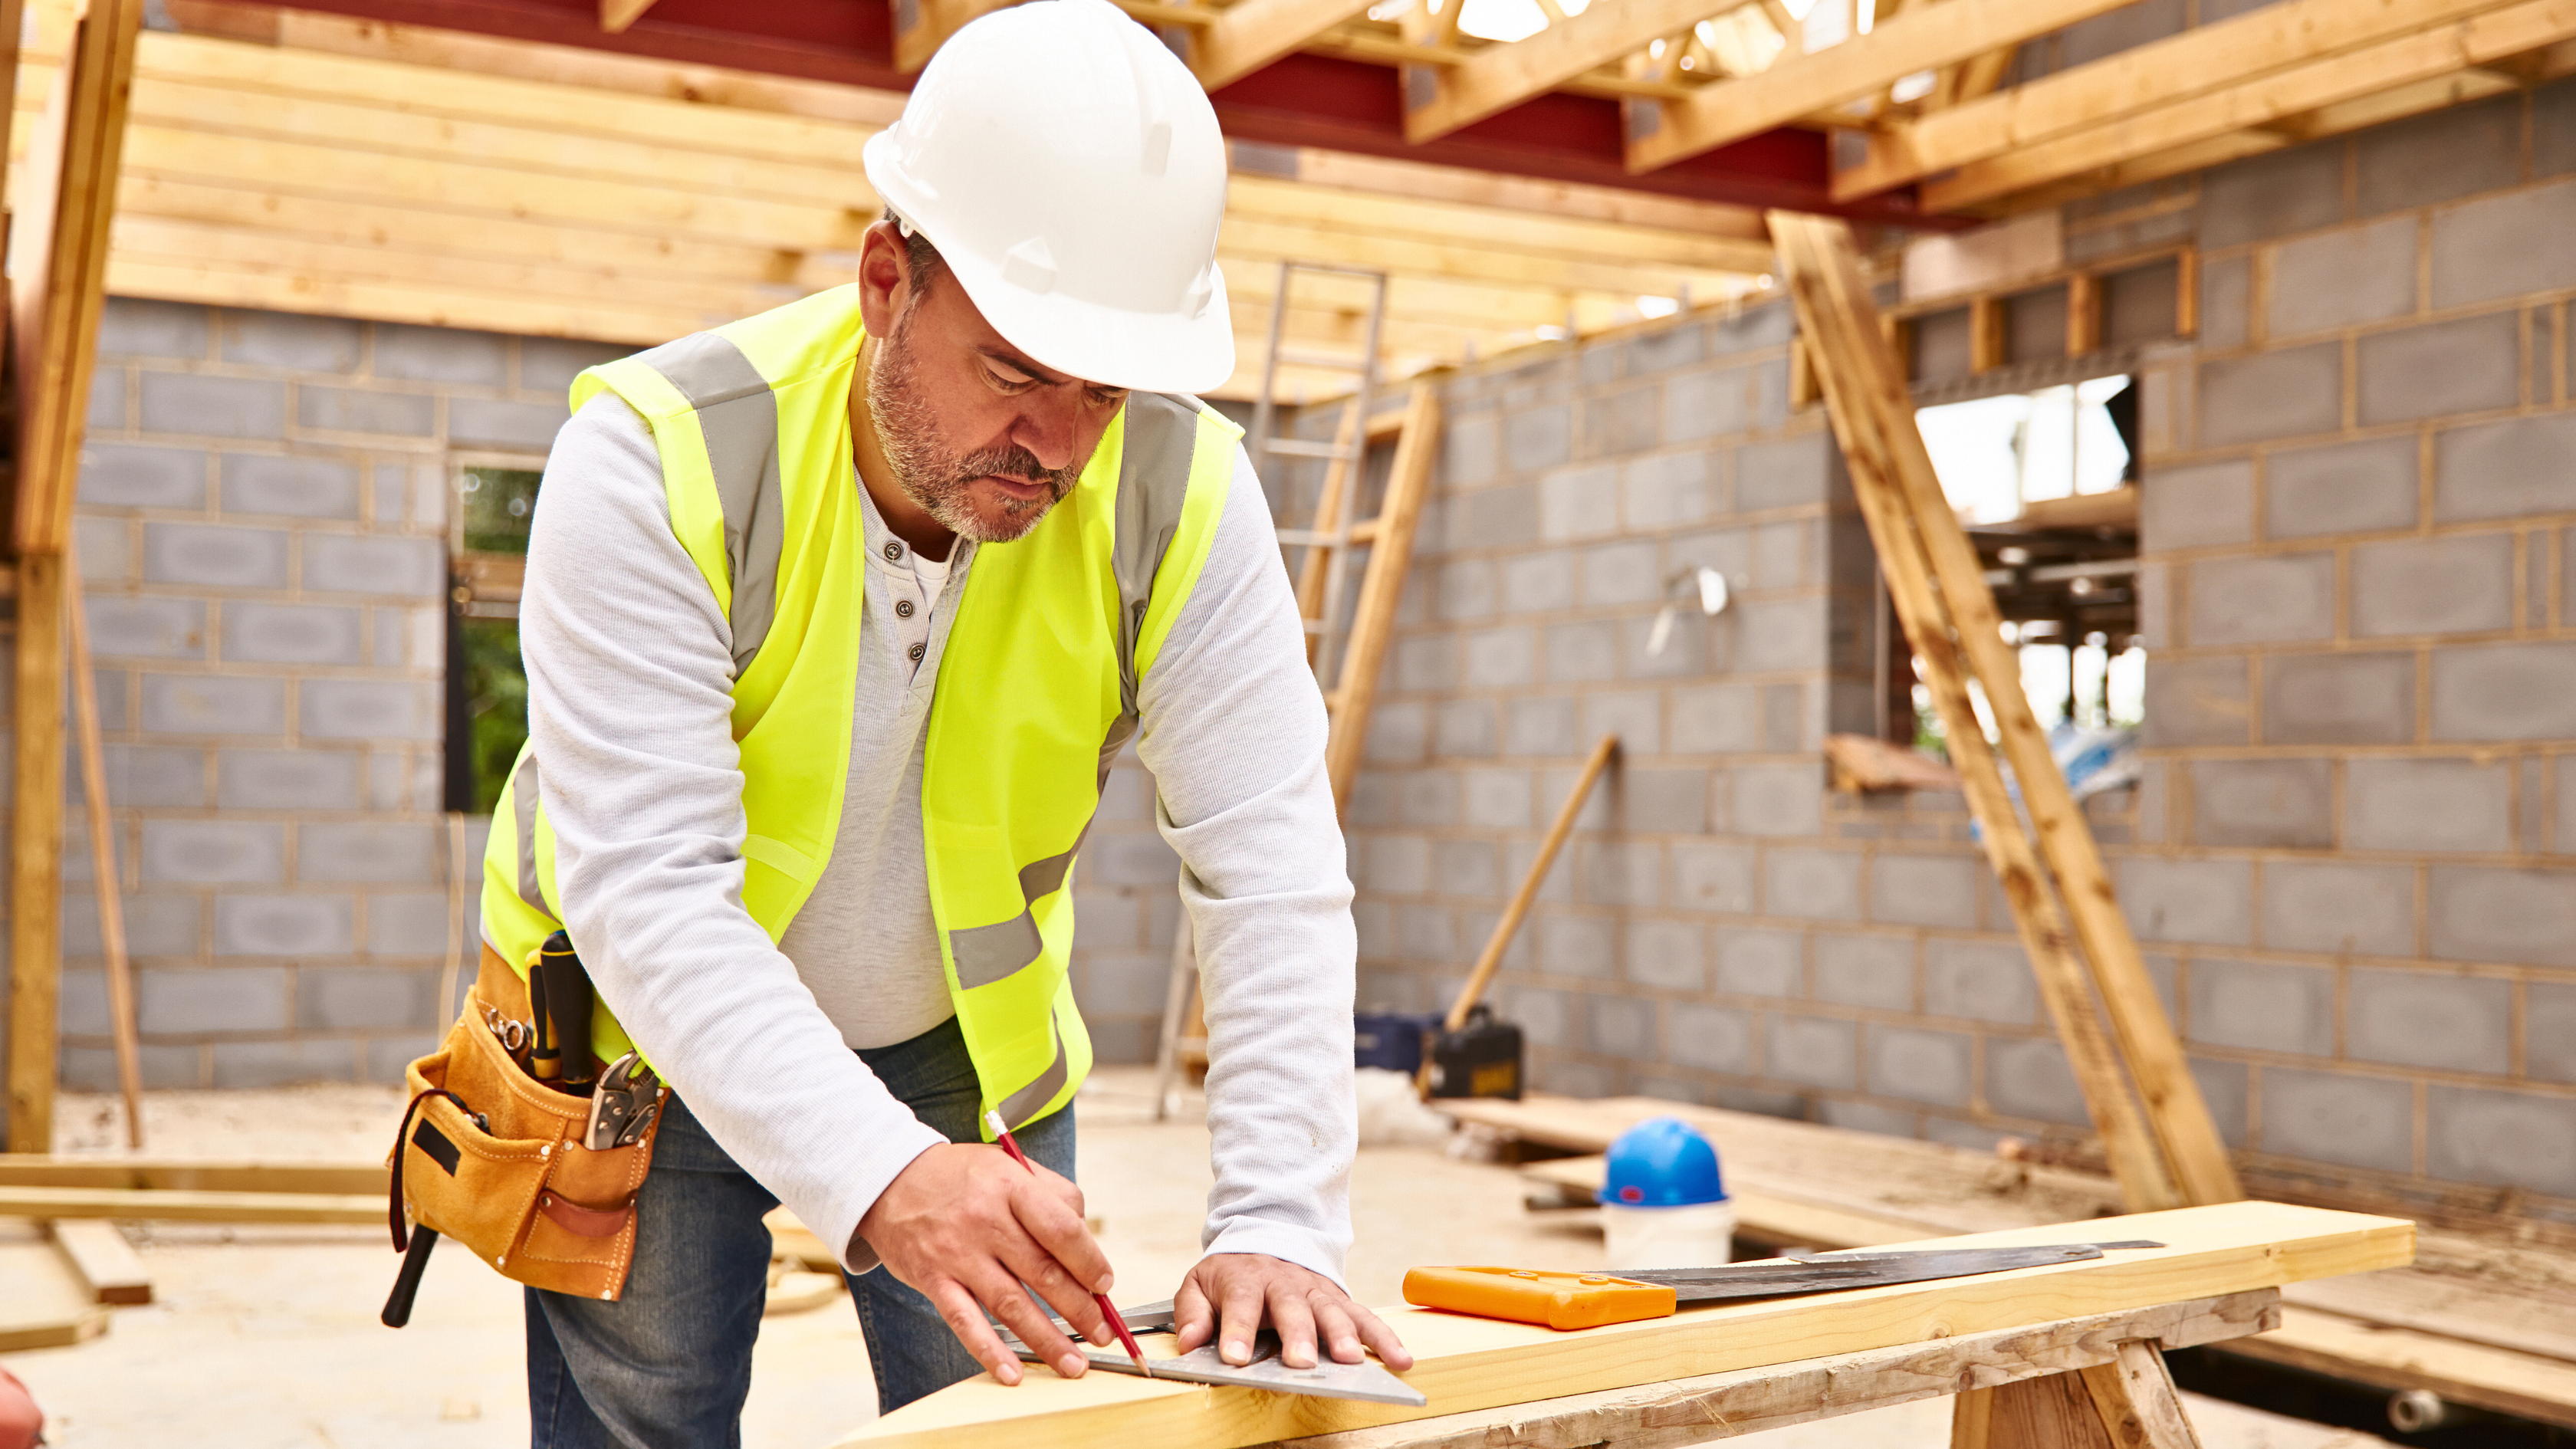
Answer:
(738, 416)
(1153, 483)
(523, 811)
(1023, 1104)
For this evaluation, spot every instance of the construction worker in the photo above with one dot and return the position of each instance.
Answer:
(835, 618)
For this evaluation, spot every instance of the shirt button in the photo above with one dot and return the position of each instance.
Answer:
(893, 551)
(915, 651)
(903, 608)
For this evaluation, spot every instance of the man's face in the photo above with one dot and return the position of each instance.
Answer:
(977, 434)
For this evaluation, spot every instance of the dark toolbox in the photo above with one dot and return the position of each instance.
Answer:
(1479, 1059)
(1392, 1039)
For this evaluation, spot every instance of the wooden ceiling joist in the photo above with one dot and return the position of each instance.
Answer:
(1502, 76)
(616, 15)
(1799, 86)
(1253, 33)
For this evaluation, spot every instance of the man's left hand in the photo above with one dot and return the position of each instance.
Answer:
(1228, 1294)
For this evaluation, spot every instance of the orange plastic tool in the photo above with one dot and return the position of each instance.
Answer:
(1526, 1295)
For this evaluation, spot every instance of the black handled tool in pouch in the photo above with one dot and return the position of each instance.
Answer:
(562, 1005)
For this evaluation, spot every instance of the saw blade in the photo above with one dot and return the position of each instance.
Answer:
(1366, 1381)
(1860, 1268)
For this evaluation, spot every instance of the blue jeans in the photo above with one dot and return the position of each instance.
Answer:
(668, 1365)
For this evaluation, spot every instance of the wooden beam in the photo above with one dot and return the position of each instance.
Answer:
(1797, 86)
(2527, 1385)
(190, 1207)
(174, 1175)
(2197, 61)
(616, 15)
(102, 1258)
(47, 1305)
(1468, 1364)
(1831, 292)
(1871, 411)
(2421, 57)
(1349, 172)
(1502, 76)
(35, 854)
(2083, 314)
(1986, 334)
(107, 887)
(1254, 33)
(1381, 585)
(2134, 1394)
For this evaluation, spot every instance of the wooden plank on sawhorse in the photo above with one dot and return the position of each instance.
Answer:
(1748, 1401)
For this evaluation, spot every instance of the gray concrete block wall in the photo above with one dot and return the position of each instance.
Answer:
(262, 524)
(2359, 706)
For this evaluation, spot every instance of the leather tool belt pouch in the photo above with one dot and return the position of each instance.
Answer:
(495, 1160)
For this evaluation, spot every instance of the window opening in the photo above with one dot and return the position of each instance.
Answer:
(487, 684)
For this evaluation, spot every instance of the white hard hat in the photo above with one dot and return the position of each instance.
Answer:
(1070, 171)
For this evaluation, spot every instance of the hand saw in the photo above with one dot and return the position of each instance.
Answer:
(1588, 1300)
(1367, 1380)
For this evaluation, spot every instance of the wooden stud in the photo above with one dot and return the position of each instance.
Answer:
(2049, 1412)
(1381, 586)
(1502, 76)
(1254, 33)
(35, 854)
(2083, 314)
(2134, 1396)
(1557, 832)
(616, 15)
(1870, 407)
(190, 1207)
(1798, 86)
(104, 1260)
(1833, 294)
(1802, 375)
(140, 1174)
(102, 854)
(1986, 337)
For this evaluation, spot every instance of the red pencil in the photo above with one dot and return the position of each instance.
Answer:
(1117, 1323)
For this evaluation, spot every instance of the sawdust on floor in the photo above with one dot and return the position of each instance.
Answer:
(266, 1337)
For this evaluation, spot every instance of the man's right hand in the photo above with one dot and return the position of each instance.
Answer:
(966, 1226)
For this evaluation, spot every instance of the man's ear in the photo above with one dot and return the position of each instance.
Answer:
(885, 277)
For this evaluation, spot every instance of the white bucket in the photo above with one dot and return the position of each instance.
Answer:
(1694, 1235)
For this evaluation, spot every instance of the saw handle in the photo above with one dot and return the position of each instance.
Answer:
(1562, 1301)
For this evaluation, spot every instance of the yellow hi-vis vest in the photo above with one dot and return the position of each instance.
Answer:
(1037, 683)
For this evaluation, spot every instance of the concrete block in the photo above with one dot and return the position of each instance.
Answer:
(1396, 864)
(1622, 573)
(1675, 346)
(2505, 469)
(2468, 365)
(1758, 961)
(1924, 890)
(209, 704)
(2280, 598)
(2487, 1137)
(442, 354)
(2428, 805)
(1399, 733)
(2333, 699)
(1429, 797)
(366, 410)
(2296, 190)
(1541, 725)
(2499, 246)
(145, 628)
(1786, 554)
(1942, 350)
(1576, 503)
(372, 852)
(157, 923)
(1984, 980)
(1668, 955)
(106, 548)
(1868, 971)
(2282, 804)
(1778, 635)
(1426, 933)
(1785, 473)
(2520, 917)
(2340, 488)
(1919, 1066)
(2553, 129)
(2028, 1077)
(549, 364)
(1426, 662)
(2262, 1006)
(1619, 423)
(2549, 1031)
(1496, 799)
(1769, 325)
(1494, 517)
(1500, 658)
(414, 923)
(133, 327)
(1776, 800)
(1583, 651)
(176, 1001)
(2564, 840)
(1465, 589)
(2196, 701)
(107, 398)
(290, 341)
(1814, 884)
(2421, 1019)
(2504, 692)
(93, 1069)
(1713, 403)
(285, 925)
(1661, 801)
(2340, 278)
(2439, 156)
(1717, 719)
(214, 555)
(2284, 394)
(1536, 583)
(1537, 437)
(1545, 1017)
(284, 1063)
(2339, 907)
(1709, 876)
(1711, 1038)
(2197, 507)
(148, 776)
(2208, 902)
(302, 487)
(200, 403)
(491, 423)
(354, 709)
(1668, 490)
(1868, 1117)
(1128, 858)
(138, 475)
(1621, 873)
(2226, 303)
(2333, 1117)
(1470, 449)
(1816, 1051)
(292, 634)
(1619, 1026)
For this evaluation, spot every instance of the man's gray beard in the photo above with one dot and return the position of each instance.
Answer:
(933, 475)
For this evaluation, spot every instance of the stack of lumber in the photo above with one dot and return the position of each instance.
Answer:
(2479, 1319)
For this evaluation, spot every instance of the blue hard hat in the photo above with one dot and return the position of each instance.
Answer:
(1662, 1162)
